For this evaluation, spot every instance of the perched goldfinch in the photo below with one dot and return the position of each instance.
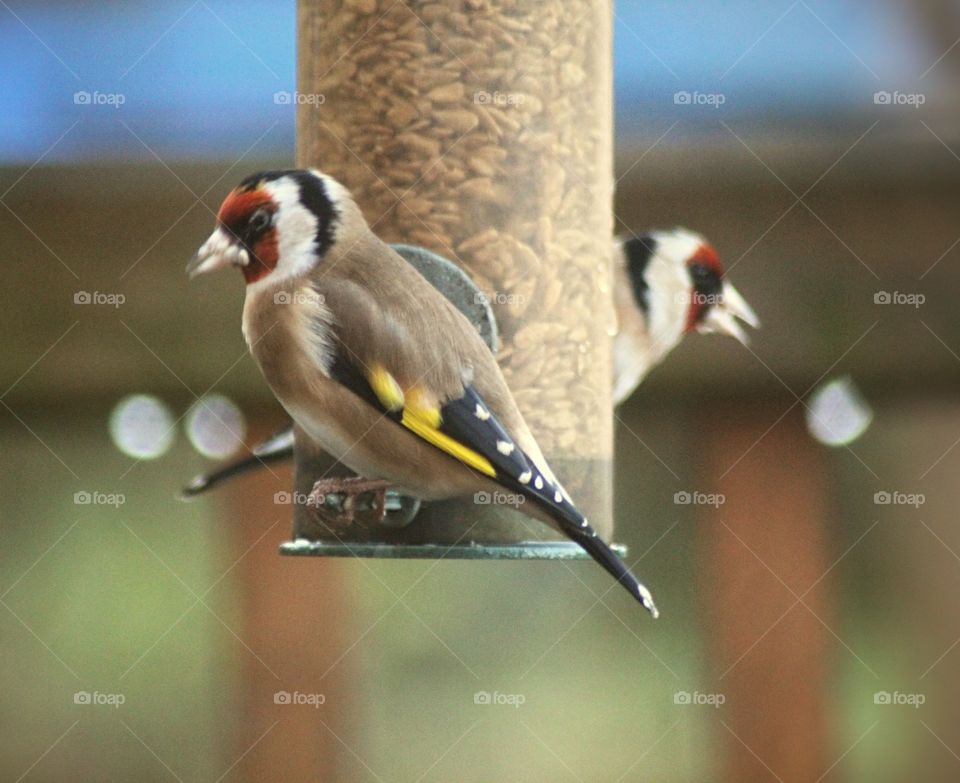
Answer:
(372, 362)
(667, 285)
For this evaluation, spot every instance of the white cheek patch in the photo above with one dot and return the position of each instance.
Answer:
(296, 230)
(669, 304)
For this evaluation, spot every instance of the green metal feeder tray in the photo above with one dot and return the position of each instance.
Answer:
(522, 550)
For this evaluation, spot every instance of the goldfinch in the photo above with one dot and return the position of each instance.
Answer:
(373, 363)
(667, 285)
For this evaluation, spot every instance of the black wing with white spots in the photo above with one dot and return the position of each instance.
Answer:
(469, 421)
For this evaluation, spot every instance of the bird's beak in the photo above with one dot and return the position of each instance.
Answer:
(217, 252)
(723, 317)
(737, 306)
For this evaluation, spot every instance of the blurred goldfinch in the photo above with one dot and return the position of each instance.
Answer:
(668, 284)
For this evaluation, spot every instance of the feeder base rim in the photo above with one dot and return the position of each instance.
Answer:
(522, 550)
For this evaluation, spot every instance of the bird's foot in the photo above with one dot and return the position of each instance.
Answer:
(342, 497)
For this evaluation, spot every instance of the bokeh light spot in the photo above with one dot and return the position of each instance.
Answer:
(215, 426)
(837, 413)
(142, 427)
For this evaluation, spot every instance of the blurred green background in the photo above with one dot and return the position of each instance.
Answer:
(797, 603)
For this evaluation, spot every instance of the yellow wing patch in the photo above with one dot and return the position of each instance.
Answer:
(418, 404)
(422, 425)
(386, 388)
(422, 417)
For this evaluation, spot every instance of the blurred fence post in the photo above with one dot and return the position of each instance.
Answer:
(768, 548)
(295, 628)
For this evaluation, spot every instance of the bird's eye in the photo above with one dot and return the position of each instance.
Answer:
(701, 273)
(259, 220)
(707, 290)
(705, 279)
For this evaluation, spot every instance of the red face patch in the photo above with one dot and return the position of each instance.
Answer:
(264, 259)
(706, 255)
(241, 216)
(240, 205)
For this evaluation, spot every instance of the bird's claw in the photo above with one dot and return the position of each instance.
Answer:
(341, 498)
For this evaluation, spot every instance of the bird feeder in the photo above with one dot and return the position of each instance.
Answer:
(481, 133)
